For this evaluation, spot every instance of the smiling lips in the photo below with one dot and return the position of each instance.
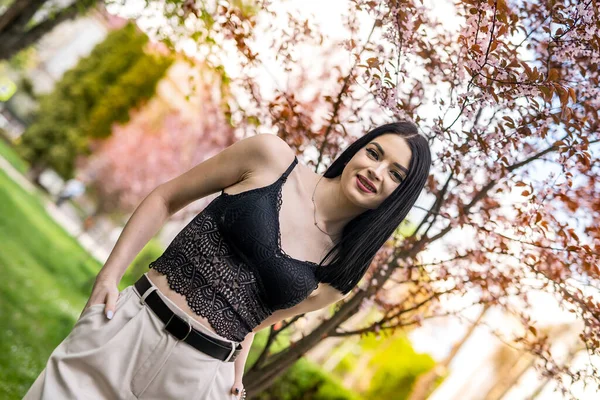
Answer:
(364, 184)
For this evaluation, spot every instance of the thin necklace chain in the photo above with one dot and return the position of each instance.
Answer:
(315, 209)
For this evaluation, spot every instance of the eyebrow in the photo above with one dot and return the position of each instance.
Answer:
(383, 154)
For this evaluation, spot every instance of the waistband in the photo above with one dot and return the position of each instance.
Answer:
(180, 312)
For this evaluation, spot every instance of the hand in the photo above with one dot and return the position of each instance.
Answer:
(105, 291)
(240, 386)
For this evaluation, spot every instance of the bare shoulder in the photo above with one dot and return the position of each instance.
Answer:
(259, 155)
(275, 153)
(274, 143)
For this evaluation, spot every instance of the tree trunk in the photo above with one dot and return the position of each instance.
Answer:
(15, 32)
(259, 378)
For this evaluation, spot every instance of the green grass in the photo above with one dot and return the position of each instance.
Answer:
(46, 278)
(9, 153)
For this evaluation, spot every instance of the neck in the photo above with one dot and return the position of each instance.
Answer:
(334, 210)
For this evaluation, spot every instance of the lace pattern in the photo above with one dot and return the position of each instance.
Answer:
(199, 265)
(229, 264)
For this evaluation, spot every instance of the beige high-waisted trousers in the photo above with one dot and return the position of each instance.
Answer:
(131, 356)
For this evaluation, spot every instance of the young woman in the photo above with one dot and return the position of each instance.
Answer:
(254, 256)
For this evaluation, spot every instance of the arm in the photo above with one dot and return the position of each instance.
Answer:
(322, 298)
(240, 361)
(224, 169)
(147, 219)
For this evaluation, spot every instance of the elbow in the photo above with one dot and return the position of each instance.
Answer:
(158, 198)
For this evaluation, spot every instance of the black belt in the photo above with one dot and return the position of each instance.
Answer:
(182, 330)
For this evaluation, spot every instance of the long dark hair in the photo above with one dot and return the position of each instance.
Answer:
(365, 234)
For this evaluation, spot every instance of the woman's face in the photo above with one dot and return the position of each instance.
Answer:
(384, 163)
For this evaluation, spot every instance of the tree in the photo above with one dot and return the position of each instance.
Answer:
(157, 144)
(98, 91)
(509, 103)
(135, 85)
(19, 29)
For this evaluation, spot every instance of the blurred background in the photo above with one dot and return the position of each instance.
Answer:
(489, 290)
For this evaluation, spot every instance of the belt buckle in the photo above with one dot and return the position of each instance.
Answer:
(180, 320)
(231, 357)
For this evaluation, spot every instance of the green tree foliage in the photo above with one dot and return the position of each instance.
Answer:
(397, 365)
(139, 82)
(307, 381)
(117, 76)
(304, 380)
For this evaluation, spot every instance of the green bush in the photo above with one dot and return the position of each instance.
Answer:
(130, 90)
(306, 381)
(397, 367)
(116, 76)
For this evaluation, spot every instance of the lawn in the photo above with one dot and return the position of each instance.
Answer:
(46, 278)
(11, 156)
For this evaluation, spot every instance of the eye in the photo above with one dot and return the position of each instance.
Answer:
(398, 177)
(371, 151)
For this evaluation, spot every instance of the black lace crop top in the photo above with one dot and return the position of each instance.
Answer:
(229, 264)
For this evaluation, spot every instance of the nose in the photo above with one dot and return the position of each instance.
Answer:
(374, 174)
